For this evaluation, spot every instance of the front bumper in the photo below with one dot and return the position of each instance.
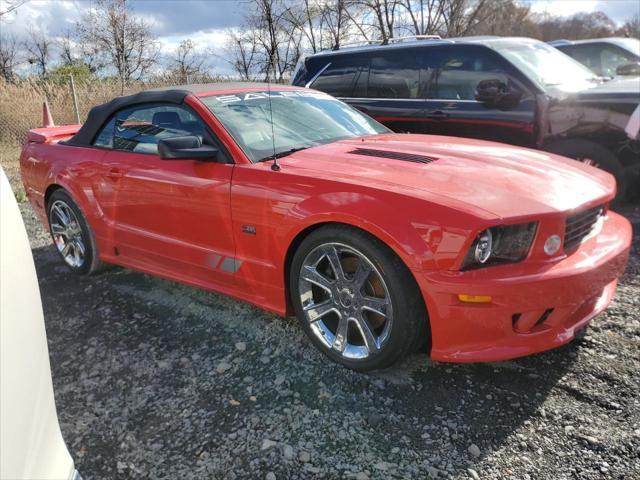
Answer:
(535, 306)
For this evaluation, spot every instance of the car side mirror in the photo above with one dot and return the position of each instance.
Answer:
(632, 68)
(186, 148)
(497, 94)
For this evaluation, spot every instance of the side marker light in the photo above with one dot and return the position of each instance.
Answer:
(474, 298)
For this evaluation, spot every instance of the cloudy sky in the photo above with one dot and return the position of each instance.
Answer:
(206, 21)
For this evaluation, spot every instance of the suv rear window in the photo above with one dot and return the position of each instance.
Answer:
(338, 78)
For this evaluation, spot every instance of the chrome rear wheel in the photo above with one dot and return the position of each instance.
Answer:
(345, 300)
(67, 234)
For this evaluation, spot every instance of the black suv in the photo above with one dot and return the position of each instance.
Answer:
(513, 90)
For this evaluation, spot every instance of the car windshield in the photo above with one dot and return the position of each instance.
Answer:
(547, 66)
(291, 120)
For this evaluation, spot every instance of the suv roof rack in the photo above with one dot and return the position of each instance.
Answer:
(414, 37)
(361, 43)
(365, 43)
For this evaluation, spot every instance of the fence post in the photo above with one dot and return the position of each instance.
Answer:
(75, 99)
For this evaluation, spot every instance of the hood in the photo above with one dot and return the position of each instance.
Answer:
(625, 89)
(491, 179)
(628, 87)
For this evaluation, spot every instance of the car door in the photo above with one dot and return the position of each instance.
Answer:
(390, 88)
(171, 215)
(451, 107)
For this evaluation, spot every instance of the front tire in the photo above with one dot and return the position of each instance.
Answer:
(72, 235)
(356, 300)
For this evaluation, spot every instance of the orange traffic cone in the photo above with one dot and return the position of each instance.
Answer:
(47, 119)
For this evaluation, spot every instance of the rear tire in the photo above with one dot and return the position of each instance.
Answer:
(72, 235)
(596, 155)
(356, 300)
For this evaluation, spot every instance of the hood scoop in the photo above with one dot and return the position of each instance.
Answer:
(407, 157)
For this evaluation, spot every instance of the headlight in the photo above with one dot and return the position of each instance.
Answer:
(503, 244)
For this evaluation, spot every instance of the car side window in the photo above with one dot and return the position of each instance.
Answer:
(105, 137)
(459, 71)
(395, 74)
(139, 129)
(601, 58)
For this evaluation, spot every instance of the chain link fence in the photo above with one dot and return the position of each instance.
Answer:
(21, 102)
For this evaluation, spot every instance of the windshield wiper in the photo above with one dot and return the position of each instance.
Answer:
(282, 154)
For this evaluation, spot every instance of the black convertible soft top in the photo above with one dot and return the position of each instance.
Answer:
(99, 114)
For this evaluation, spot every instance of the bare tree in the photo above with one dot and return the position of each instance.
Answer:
(426, 16)
(335, 18)
(323, 24)
(506, 18)
(462, 16)
(278, 44)
(39, 48)
(631, 27)
(124, 39)
(8, 57)
(244, 48)
(304, 16)
(11, 6)
(380, 15)
(186, 61)
(66, 47)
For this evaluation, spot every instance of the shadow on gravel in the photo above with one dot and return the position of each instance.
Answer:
(152, 377)
(481, 404)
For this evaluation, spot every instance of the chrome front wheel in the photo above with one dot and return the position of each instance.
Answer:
(345, 300)
(67, 233)
(355, 298)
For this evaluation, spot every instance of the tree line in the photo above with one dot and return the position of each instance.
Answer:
(110, 40)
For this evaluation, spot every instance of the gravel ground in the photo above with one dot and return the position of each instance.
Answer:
(158, 380)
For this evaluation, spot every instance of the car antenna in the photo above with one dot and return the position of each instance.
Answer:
(275, 166)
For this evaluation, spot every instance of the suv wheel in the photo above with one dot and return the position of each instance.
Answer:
(595, 155)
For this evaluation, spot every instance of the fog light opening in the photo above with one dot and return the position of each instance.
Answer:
(552, 245)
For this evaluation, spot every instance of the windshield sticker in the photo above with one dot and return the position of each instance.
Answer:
(247, 97)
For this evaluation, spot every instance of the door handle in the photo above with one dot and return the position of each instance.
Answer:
(115, 173)
(437, 115)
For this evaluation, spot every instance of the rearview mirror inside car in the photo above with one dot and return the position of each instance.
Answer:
(495, 93)
(632, 68)
(186, 148)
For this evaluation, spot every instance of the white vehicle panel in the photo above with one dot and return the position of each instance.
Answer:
(31, 444)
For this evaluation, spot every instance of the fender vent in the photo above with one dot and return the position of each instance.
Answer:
(407, 157)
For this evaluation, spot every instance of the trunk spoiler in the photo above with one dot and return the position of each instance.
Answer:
(49, 132)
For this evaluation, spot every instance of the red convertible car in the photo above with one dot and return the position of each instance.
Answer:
(380, 243)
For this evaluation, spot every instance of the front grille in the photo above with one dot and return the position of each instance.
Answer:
(579, 225)
(408, 157)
